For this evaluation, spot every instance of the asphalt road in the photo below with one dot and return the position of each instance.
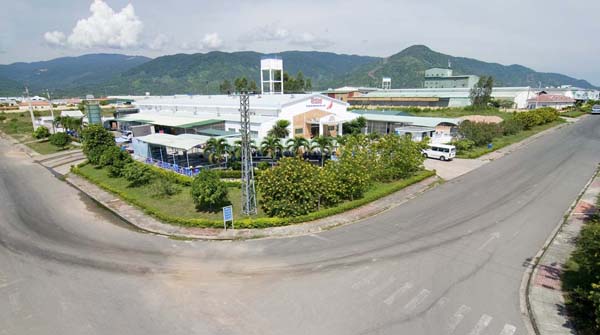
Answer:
(448, 262)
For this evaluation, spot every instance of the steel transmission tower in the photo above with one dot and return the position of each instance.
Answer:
(248, 189)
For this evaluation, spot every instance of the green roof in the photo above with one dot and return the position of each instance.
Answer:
(199, 123)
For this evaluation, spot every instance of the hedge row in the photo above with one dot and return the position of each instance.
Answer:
(266, 222)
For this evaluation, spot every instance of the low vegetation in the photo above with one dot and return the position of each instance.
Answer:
(478, 138)
(581, 280)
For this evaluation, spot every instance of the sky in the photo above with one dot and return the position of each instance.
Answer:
(546, 35)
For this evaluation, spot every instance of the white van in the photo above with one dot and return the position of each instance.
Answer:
(443, 152)
(596, 109)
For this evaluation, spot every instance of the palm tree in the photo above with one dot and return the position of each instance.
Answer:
(236, 149)
(215, 149)
(323, 144)
(297, 145)
(271, 145)
(280, 129)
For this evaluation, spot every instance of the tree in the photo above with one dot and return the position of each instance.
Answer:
(216, 149)
(137, 174)
(481, 93)
(479, 132)
(323, 144)
(252, 87)
(355, 126)
(241, 84)
(225, 87)
(271, 146)
(60, 140)
(115, 159)
(208, 191)
(280, 129)
(297, 145)
(96, 139)
(41, 132)
(354, 167)
(397, 157)
(289, 189)
(299, 84)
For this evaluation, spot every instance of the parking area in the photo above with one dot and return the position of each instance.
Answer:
(451, 169)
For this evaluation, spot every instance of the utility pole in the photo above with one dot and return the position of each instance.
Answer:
(30, 108)
(248, 189)
(51, 110)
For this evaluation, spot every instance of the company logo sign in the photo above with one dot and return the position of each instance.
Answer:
(316, 102)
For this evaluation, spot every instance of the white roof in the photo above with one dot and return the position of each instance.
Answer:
(412, 120)
(183, 142)
(75, 113)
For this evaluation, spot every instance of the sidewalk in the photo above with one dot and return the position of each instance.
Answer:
(138, 218)
(545, 297)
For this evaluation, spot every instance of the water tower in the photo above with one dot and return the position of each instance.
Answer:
(271, 75)
(386, 83)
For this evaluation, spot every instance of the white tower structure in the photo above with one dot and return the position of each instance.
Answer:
(271, 75)
(386, 83)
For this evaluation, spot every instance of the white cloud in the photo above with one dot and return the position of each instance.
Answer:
(266, 33)
(54, 37)
(159, 42)
(212, 41)
(310, 40)
(104, 28)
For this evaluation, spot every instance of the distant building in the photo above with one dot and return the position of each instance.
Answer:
(343, 93)
(444, 78)
(550, 100)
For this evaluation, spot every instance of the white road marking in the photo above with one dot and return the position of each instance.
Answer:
(320, 237)
(493, 236)
(416, 301)
(508, 330)
(457, 318)
(390, 300)
(376, 290)
(481, 325)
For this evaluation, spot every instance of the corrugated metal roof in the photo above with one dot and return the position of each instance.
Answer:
(413, 120)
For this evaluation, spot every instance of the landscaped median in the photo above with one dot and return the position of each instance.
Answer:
(179, 209)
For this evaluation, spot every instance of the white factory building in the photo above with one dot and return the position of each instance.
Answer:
(310, 115)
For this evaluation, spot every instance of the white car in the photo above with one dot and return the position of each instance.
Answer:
(443, 152)
(596, 109)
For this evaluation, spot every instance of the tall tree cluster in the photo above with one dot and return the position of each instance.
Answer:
(481, 93)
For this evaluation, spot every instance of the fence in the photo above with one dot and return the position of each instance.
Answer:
(186, 171)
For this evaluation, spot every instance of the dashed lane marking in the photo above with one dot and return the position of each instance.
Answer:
(390, 299)
(457, 318)
(481, 325)
(417, 300)
(508, 330)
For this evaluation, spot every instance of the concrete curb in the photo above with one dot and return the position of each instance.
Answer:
(137, 218)
(532, 322)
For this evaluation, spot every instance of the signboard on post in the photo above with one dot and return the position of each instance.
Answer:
(228, 216)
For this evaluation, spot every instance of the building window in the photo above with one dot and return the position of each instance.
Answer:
(299, 131)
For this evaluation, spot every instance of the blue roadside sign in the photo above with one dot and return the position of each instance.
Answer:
(227, 216)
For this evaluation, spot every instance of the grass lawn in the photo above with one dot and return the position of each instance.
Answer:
(573, 113)
(501, 142)
(21, 130)
(179, 205)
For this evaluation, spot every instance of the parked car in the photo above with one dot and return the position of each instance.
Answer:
(596, 109)
(443, 152)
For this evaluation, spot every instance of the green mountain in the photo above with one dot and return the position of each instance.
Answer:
(68, 73)
(202, 73)
(199, 73)
(407, 70)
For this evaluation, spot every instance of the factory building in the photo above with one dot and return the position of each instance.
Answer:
(444, 78)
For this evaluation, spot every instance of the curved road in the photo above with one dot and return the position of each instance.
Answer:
(448, 262)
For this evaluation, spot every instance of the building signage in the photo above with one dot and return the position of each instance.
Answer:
(315, 102)
(227, 216)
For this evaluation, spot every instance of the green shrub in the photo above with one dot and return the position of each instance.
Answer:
(164, 188)
(115, 159)
(463, 144)
(37, 113)
(511, 126)
(96, 139)
(137, 174)
(529, 119)
(235, 165)
(479, 132)
(290, 189)
(2, 117)
(60, 140)
(397, 157)
(232, 174)
(263, 166)
(581, 279)
(208, 191)
(355, 167)
(41, 132)
(548, 114)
